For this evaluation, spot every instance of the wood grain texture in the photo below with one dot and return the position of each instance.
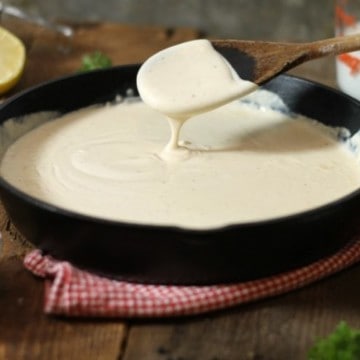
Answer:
(262, 60)
(26, 333)
(274, 329)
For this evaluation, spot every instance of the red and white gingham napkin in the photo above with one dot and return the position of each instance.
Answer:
(73, 292)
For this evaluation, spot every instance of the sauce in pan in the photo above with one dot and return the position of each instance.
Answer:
(242, 164)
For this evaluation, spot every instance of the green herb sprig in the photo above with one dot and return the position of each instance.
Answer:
(342, 344)
(94, 61)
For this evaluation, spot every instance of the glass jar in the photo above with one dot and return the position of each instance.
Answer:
(347, 22)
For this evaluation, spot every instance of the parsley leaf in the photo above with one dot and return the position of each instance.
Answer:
(342, 344)
(94, 61)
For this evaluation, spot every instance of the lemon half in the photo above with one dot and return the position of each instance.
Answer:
(12, 60)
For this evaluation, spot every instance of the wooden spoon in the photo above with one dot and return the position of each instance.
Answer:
(260, 61)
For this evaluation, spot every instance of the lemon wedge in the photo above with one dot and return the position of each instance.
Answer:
(12, 60)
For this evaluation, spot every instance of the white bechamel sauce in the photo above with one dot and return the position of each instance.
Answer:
(185, 80)
(245, 164)
(235, 163)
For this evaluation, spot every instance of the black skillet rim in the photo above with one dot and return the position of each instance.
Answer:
(298, 218)
(66, 212)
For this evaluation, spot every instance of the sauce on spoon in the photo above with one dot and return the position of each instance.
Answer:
(186, 80)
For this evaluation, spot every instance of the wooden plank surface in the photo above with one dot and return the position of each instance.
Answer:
(279, 328)
(26, 333)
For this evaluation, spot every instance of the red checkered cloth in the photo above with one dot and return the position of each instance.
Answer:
(73, 292)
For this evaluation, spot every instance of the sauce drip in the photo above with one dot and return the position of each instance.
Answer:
(188, 79)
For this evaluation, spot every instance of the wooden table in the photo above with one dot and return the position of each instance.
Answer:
(277, 328)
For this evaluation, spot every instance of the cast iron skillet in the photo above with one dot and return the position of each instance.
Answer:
(159, 254)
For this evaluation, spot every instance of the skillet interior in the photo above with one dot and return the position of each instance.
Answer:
(171, 255)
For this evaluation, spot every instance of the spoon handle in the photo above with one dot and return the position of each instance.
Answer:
(333, 46)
